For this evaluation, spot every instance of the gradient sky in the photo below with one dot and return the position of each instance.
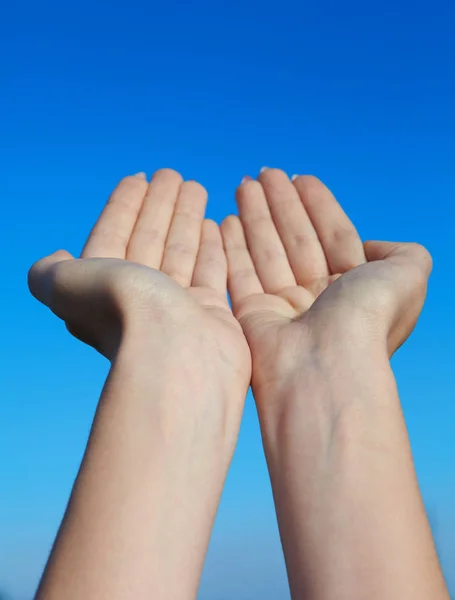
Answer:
(360, 94)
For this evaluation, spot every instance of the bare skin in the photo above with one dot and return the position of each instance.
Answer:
(149, 292)
(322, 313)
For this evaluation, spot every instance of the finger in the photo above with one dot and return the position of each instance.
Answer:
(264, 244)
(409, 282)
(42, 276)
(83, 294)
(243, 280)
(211, 265)
(184, 236)
(111, 233)
(54, 286)
(149, 236)
(72, 287)
(339, 238)
(409, 254)
(300, 240)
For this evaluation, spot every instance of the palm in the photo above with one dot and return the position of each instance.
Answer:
(162, 226)
(297, 265)
(290, 303)
(291, 242)
(154, 237)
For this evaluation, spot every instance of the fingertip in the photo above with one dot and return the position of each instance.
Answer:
(248, 189)
(50, 259)
(195, 186)
(230, 226)
(229, 219)
(39, 275)
(211, 230)
(168, 176)
(36, 280)
(423, 256)
(60, 255)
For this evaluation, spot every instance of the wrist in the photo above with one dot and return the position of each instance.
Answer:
(343, 479)
(331, 386)
(150, 482)
(173, 378)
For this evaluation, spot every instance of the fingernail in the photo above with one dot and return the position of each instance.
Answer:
(246, 178)
(294, 177)
(263, 169)
(141, 175)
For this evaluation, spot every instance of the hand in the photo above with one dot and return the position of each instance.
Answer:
(151, 261)
(150, 294)
(322, 312)
(300, 277)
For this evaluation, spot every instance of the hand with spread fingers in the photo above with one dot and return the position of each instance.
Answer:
(149, 292)
(322, 313)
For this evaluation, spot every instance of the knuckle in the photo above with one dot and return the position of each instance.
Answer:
(344, 235)
(245, 273)
(111, 235)
(305, 239)
(214, 259)
(259, 223)
(151, 236)
(180, 248)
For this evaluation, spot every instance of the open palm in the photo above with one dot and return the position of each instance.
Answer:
(152, 250)
(297, 268)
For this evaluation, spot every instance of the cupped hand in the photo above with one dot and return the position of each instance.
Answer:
(152, 266)
(300, 277)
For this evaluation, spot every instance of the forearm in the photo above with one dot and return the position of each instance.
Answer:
(351, 518)
(141, 512)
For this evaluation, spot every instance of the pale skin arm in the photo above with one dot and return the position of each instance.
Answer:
(351, 518)
(140, 516)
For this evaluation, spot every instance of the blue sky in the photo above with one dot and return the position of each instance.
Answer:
(360, 94)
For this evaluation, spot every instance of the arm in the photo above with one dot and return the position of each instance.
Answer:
(351, 517)
(322, 313)
(142, 509)
(150, 294)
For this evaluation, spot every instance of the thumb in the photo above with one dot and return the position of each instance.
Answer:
(73, 287)
(42, 275)
(80, 292)
(411, 267)
(409, 254)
